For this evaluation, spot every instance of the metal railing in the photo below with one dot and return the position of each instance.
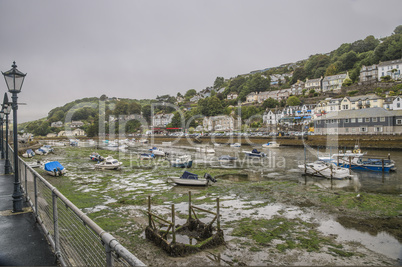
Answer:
(74, 237)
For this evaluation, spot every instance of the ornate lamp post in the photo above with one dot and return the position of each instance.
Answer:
(7, 110)
(1, 134)
(14, 80)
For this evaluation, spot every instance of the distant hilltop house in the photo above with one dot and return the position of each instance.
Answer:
(76, 124)
(56, 124)
(161, 120)
(334, 82)
(390, 68)
(232, 96)
(315, 84)
(75, 132)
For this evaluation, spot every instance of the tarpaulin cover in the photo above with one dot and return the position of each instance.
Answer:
(50, 166)
(189, 175)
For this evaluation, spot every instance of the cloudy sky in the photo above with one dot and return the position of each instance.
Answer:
(141, 49)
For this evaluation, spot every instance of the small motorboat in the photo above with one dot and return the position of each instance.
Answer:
(28, 154)
(235, 145)
(226, 158)
(54, 168)
(271, 144)
(157, 151)
(192, 179)
(147, 156)
(109, 164)
(44, 150)
(205, 149)
(184, 161)
(325, 169)
(35, 164)
(96, 157)
(255, 153)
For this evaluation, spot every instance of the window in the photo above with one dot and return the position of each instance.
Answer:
(398, 105)
(363, 129)
(377, 129)
(399, 122)
(353, 120)
(353, 130)
(374, 119)
(382, 119)
(346, 120)
(360, 120)
(346, 130)
(367, 119)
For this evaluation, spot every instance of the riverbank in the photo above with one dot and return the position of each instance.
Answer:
(282, 219)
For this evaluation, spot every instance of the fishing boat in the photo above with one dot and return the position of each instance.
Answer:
(44, 150)
(96, 157)
(206, 149)
(227, 158)
(255, 153)
(184, 161)
(354, 160)
(157, 151)
(109, 164)
(326, 170)
(191, 179)
(54, 168)
(235, 145)
(147, 156)
(271, 144)
(28, 154)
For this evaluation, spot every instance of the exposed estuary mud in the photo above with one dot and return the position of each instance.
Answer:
(270, 214)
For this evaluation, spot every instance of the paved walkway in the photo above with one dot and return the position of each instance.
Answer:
(22, 241)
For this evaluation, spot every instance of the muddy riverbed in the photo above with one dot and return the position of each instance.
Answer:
(270, 213)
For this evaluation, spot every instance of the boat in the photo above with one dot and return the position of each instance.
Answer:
(325, 169)
(28, 154)
(157, 151)
(147, 156)
(191, 179)
(143, 141)
(255, 153)
(271, 144)
(205, 149)
(184, 161)
(109, 164)
(96, 157)
(354, 160)
(44, 150)
(235, 145)
(35, 164)
(113, 144)
(166, 143)
(226, 158)
(54, 168)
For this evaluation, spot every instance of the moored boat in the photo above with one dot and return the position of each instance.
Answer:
(96, 157)
(184, 161)
(109, 164)
(54, 168)
(147, 156)
(271, 144)
(226, 158)
(326, 170)
(157, 151)
(192, 179)
(255, 153)
(235, 145)
(28, 154)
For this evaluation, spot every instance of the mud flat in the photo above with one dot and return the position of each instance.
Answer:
(277, 218)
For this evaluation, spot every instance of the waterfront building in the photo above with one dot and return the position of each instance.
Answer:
(161, 120)
(221, 123)
(390, 68)
(397, 103)
(360, 121)
(362, 101)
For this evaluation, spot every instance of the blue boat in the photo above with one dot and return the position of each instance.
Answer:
(370, 165)
(54, 168)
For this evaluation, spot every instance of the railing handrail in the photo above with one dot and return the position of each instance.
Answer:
(108, 239)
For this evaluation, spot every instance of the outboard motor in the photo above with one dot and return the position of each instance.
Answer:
(59, 171)
(55, 172)
(209, 177)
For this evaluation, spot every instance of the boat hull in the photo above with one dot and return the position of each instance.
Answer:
(182, 164)
(189, 182)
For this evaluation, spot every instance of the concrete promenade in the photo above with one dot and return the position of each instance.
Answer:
(22, 241)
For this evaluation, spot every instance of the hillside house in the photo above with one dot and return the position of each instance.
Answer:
(391, 68)
(221, 123)
(334, 82)
(232, 96)
(369, 73)
(315, 84)
(360, 102)
(56, 124)
(161, 120)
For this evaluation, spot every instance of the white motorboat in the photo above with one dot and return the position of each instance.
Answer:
(192, 179)
(44, 150)
(206, 149)
(255, 153)
(54, 168)
(147, 156)
(109, 164)
(271, 144)
(157, 151)
(28, 154)
(235, 145)
(325, 169)
(184, 161)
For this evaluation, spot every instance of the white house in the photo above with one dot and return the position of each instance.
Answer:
(397, 103)
(162, 119)
(391, 68)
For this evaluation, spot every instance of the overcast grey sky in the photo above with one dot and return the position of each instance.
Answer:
(141, 49)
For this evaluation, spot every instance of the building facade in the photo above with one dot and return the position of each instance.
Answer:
(390, 68)
(334, 82)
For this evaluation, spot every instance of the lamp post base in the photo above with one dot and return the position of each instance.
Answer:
(17, 203)
(7, 167)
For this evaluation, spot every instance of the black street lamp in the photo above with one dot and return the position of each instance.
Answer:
(7, 110)
(1, 133)
(14, 80)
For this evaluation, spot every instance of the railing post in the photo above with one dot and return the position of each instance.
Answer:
(109, 257)
(189, 204)
(56, 225)
(36, 197)
(218, 219)
(149, 212)
(173, 226)
(26, 181)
